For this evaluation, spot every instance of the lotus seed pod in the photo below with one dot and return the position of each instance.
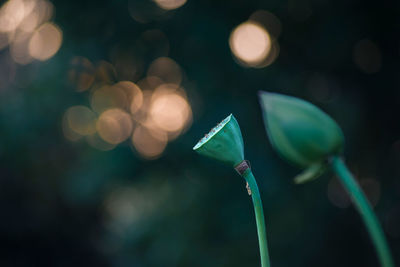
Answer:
(300, 132)
(224, 142)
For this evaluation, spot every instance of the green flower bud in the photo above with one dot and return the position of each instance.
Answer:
(301, 133)
(224, 142)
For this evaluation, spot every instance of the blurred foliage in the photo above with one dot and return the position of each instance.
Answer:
(65, 203)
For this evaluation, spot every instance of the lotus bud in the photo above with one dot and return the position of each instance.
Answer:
(224, 142)
(301, 133)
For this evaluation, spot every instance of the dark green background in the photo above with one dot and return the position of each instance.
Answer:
(194, 211)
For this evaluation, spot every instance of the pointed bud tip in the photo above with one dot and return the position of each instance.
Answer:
(267, 99)
(262, 95)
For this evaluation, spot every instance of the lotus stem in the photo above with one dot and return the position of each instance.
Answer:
(365, 210)
(258, 210)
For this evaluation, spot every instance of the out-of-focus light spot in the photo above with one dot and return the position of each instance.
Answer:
(372, 189)
(337, 195)
(13, 12)
(45, 41)
(340, 198)
(128, 205)
(166, 69)
(81, 73)
(169, 110)
(114, 126)
(141, 115)
(20, 50)
(128, 64)
(108, 97)
(250, 43)
(272, 55)
(322, 88)
(268, 20)
(30, 22)
(5, 39)
(68, 132)
(81, 120)
(149, 144)
(41, 13)
(367, 56)
(150, 83)
(97, 142)
(170, 4)
(106, 73)
(18, 19)
(124, 207)
(144, 11)
(133, 95)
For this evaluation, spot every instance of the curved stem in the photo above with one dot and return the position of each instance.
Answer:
(365, 210)
(258, 209)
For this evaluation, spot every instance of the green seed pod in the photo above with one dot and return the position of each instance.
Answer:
(301, 133)
(224, 142)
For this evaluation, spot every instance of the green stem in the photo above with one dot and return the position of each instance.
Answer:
(258, 209)
(364, 208)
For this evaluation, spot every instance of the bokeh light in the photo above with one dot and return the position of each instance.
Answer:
(105, 73)
(323, 88)
(250, 43)
(153, 111)
(145, 11)
(272, 55)
(97, 166)
(45, 41)
(129, 205)
(367, 56)
(268, 21)
(19, 49)
(133, 95)
(170, 4)
(13, 12)
(127, 62)
(69, 134)
(166, 69)
(149, 143)
(107, 97)
(24, 27)
(42, 12)
(123, 207)
(81, 74)
(81, 120)
(340, 198)
(97, 142)
(337, 195)
(114, 126)
(150, 83)
(5, 39)
(372, 189)
(169, 110)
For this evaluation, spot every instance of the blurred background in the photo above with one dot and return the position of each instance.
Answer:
(102, 101)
